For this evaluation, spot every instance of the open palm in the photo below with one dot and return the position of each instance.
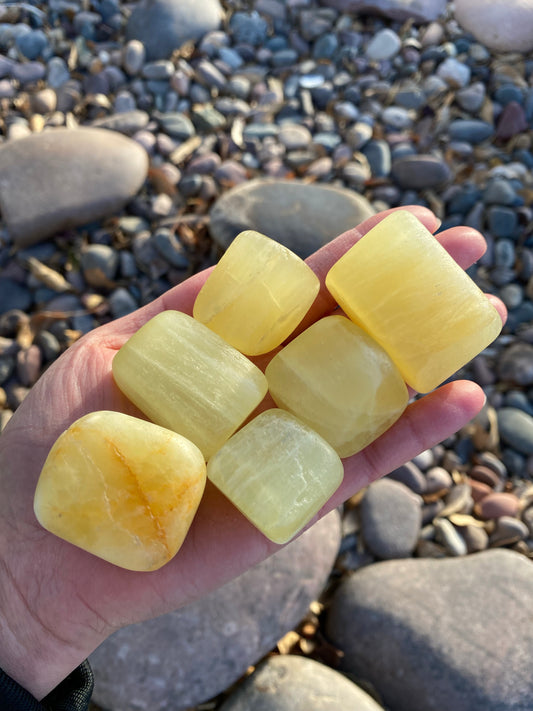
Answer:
(57, 602)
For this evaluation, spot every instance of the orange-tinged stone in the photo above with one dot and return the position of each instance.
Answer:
(340, 382)
(405, 290)
(278, 472)
(257, 294)
(121, 488)
(185, 377)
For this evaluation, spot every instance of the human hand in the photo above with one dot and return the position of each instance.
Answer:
(57, 602)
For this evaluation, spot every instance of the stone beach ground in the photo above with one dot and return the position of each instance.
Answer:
(137, 140)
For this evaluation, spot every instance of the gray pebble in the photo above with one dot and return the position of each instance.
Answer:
(168, 245)
(57, 72)
(516, 429)
(121, 303)
(410, 475)
(133, 57)
(14, 295)
(385, 44)
(470, 130)
(471, 98)
(475, 537)
(177, 125)
(390, 519)
(99, 264)
(48, 344)
(455, 73)
(516, 364)
(449, 536)
(417, 172)
(508, 530)
(438, 479)
(29, 365)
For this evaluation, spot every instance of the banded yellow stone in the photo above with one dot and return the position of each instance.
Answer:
(278, 472)
(400, 285)
(121, 488)
(257, 294)
(186, 378)
(340, 382)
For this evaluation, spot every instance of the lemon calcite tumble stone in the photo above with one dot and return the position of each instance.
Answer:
(188, 379)
(257, 294)
(340, 382)
(405, 290)
(278, 472)
(121, 488)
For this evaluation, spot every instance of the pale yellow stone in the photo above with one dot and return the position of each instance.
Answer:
(186, 378)
(278, 472)
(405, 290)
(257, 294)
(340, 382)
(121, 488)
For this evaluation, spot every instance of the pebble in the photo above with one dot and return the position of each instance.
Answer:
(29, 365)
(455, 73)
(200, 650)
(289, 683)
(497, 504)
(415, 172)
(516, 429)
(508, 530)
(449, 536)
(445, 604)
(99, 264)
(122, 303)
(471, 97)
(385, 44)
(14, 295)
(470, 130)
(390, 519)
(438, 479)
(410, 475)
(47, 166)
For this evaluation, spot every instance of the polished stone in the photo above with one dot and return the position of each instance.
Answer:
(257, 294)
(186, 378)
(407, 292)
(278, 472)
(121, 488)
(340, 382)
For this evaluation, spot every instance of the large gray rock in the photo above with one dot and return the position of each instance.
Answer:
(63, 178)
(301, 216)
(440, 634)
(290, 683)
(501, 25)
(165, 25)
(183, 658)
(417, 10)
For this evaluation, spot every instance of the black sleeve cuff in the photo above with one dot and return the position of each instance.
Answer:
(73, 694)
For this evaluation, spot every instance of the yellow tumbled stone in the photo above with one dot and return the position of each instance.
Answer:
(257, 294)
(121, 488)
(185, 377)
(405, 290)
(340, 382)
(278, 472)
